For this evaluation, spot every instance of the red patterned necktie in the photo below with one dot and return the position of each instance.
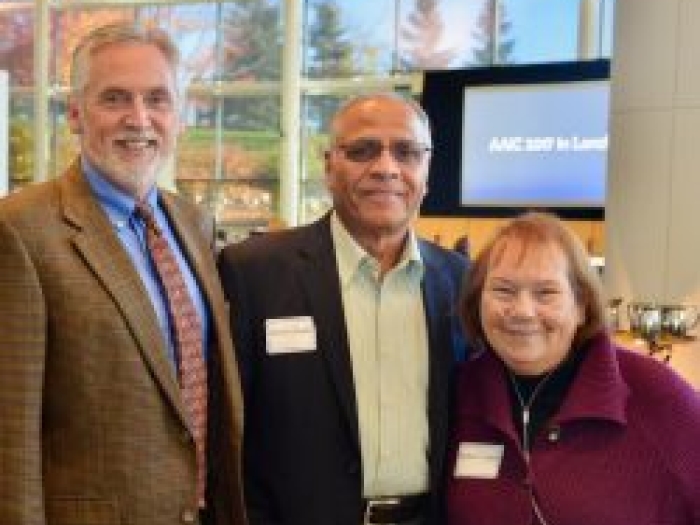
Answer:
(188, 339)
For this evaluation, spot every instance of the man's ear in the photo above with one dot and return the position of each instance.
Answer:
(74, 117)
(327, 160)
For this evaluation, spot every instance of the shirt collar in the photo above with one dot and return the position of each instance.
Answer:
(118, 205)
(351, 257)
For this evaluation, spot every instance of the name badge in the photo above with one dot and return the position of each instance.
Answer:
(478, 460)
(288, 335)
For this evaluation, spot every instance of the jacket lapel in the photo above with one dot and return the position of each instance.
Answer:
(102, 251)
(193, 243)
(193, 249)
(438, 298)
(320, 283)
(189, 241)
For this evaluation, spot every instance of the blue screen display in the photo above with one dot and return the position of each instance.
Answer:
(535, 145)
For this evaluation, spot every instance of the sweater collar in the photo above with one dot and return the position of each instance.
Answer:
(598, 390)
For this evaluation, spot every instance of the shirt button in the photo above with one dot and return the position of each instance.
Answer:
(188, 516)
(554, 434)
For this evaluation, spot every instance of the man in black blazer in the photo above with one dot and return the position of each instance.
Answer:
(346, 334)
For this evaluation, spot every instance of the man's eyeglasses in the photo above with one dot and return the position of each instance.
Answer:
(406, 152)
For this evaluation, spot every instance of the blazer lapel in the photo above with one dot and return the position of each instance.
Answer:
(320, 282)
(192, 247)
(195, 235)
(193, 243)
(438, 298)
(102, 251)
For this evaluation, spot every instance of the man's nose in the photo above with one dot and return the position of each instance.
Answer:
(386, 164)
(137, 114)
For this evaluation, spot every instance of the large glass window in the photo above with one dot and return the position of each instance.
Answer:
(16, 45)
(16, 57)
(346, 46)
(437, 34)
(233, 50)
(343, 39)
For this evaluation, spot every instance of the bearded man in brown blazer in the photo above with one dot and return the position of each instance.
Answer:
(94, 428)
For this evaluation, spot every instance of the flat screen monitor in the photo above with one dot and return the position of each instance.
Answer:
(512, 138)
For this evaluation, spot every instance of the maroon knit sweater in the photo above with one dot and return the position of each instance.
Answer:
(623, 449)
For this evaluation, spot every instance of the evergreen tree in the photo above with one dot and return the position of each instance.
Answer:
(252, 51)
(492, 27)
(329, 50)
(329, 55)
(423, 35)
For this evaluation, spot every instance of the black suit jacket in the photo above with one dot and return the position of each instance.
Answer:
(302, 462)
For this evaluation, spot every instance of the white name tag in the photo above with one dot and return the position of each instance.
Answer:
(478, 460)
(289, 335)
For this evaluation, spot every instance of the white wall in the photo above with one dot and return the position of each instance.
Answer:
(653, 209)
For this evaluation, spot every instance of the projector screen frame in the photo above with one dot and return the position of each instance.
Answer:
(443, 100)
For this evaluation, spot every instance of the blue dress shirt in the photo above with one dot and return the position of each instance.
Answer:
(119, 208)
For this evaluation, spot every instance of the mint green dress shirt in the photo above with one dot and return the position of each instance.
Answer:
(387, 332)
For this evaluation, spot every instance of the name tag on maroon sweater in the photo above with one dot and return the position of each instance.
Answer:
(478, 460)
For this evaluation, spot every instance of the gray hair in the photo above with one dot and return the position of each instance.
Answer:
(382, 95)
(116, 34)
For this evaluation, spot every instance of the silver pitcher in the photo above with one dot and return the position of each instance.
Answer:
(645, 319)
(677, 319)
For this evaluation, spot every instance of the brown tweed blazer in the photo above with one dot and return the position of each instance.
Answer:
(92, 426)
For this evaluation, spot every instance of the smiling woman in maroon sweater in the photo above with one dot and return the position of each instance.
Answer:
(553, 424)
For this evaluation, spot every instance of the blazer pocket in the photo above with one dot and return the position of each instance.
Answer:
(82, 511)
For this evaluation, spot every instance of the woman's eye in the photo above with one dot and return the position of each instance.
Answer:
(503, 291)
(547, 293)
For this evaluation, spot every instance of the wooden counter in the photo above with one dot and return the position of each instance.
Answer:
(683, 357)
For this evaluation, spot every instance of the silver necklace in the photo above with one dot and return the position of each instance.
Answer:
(525, 414)
(526, 406)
